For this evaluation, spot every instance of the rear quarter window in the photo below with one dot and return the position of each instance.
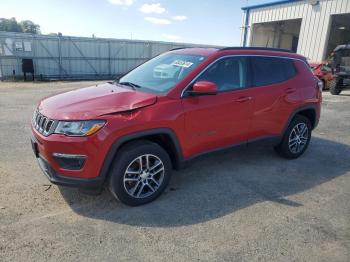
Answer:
(271, 70)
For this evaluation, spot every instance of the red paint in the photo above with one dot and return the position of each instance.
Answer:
(92, 102)
(323, 72)
(205, 87)
(201, 123)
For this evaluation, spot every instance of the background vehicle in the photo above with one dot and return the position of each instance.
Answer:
(341, 69)
(128, 135)
(323, 71)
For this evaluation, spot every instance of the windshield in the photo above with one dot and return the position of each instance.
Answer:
(161, 73)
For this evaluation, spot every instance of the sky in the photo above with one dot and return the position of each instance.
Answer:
(216, 22)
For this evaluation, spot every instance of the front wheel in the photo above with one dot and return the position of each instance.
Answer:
(296, 138)
(140, 173)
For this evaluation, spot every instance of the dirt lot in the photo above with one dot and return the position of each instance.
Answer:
(246, 204)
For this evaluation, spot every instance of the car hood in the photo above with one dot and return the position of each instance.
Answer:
(94, 101)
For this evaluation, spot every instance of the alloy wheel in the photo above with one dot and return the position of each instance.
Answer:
(298, 138)
(143, 176)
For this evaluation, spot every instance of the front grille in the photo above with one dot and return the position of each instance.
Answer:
(42, 124)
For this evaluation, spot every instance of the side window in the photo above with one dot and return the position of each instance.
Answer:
(271, 70)
(228, 73)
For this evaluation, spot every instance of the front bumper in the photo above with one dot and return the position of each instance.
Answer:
(88, 176)
(55, 178)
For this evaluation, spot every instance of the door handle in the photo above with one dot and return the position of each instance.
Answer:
(290, 90)
(243, 99)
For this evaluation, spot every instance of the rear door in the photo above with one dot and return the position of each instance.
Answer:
(276, 94)
(215, 121)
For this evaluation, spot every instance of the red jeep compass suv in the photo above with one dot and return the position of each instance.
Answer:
(129, 134)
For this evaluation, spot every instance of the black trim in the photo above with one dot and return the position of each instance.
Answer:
(178, 48)
(273, 140)
(57, 179)
(256, 48)
(204, 153)
(70, 163)
(138, 135)
(196, 93)
(300, 109)
(250, 75)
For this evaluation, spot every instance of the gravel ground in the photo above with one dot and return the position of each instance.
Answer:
(246, 204)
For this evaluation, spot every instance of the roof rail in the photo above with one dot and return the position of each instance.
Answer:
(177, 48)
(256, 48)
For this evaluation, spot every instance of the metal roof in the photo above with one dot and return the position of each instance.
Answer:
(269, 4)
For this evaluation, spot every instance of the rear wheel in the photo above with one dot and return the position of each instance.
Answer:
(141, 172)
(296, 138)
(334, 87)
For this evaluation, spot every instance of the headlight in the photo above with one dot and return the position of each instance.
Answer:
(79, 128)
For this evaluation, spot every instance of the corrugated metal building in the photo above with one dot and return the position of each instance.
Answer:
(67, 57)
(312, 28)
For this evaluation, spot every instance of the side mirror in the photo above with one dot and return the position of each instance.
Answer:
(202, 88)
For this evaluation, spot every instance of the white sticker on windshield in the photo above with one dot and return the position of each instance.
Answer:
(182, 63)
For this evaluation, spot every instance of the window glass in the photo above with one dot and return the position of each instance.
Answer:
(271, 70)
(227, 74)
(163, 72)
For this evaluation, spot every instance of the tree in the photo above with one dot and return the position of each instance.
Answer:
(11, 25)
(29, 27)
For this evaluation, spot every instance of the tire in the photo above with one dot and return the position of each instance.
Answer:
(295, 134)
(333, 87)
(134, 185)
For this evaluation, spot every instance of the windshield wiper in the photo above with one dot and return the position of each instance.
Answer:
(130, 84)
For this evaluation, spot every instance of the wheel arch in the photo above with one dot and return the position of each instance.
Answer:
(165, 137)
(307, 111)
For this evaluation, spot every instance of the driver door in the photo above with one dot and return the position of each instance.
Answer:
(215, 121)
